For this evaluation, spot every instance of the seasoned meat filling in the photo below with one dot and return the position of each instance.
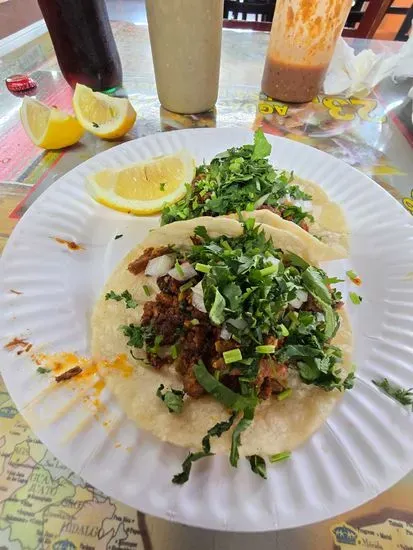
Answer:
(173, 317)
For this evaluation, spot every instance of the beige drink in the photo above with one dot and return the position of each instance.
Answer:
(186, 49)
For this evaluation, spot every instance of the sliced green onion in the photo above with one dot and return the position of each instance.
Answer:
(249, 223)
(284, 394)
(232, 356)
(179, 269)
(269, 270)
(351, 274)
(355, 298)
(280, 456)
(194, 322)
(284, 330)
(203, 268)
(333, 280)
(174, 351)
(226, 245)
(185, 286)
(265, 349)
(147, 290)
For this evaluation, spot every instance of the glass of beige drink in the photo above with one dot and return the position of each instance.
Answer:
(303, 36)
(186, 50)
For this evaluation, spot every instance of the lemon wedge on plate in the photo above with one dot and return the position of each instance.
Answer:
(146, 187)
(104, 116)
(49, 127)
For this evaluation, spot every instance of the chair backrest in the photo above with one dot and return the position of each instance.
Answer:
(405, 29)
(364, 18)
(257, 8)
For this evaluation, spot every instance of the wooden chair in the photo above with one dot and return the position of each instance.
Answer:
(260, 9)
(403, 32)
(364, 18)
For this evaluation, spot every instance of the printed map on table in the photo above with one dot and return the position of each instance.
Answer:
(43, 505)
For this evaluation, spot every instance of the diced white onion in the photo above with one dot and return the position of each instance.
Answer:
(285, 200)
(188, 272)
(198, 297)
(307, 206)
(239, 324)
(158, 267)
(299, 299)
(225, 333)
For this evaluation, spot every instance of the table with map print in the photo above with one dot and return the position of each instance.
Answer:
(45, 506)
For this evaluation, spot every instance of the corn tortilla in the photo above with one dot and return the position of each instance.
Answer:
(278, 425)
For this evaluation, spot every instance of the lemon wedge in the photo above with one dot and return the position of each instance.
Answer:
(146, 187)
(104, 116)
(49, 127)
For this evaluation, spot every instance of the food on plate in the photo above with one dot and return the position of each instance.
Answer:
(240, 342)
(49, 127)
(402, 395)
(102, 115)
(143, 188)
(243, 179)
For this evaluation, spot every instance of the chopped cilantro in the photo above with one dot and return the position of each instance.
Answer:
(249, 286)
(42, 370)
(137, 335)
(230, 399)
(258, 465)
(254, 305)
(239, 179)
(173, 399)
(404, 397)
(215, 431)
(126, 295)
(242, 425)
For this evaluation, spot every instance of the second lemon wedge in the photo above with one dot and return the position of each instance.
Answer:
(49, 127)
(106, 117)
(146, 187)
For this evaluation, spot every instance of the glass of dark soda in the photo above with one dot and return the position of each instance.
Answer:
(83, 42)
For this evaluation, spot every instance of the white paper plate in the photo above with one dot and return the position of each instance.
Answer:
(364, 447)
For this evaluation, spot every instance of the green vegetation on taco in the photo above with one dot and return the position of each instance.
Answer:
(243, 347)
(242, 179)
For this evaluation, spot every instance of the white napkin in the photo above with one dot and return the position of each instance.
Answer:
(355, 75)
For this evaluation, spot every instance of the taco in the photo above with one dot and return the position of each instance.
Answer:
(243, 180)
(238, 342)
